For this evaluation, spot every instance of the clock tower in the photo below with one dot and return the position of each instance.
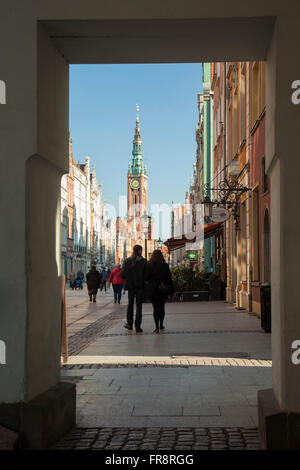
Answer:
(137, 188)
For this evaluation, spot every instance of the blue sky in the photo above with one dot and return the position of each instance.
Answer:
(103, 102)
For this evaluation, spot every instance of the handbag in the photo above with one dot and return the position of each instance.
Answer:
(163, 288)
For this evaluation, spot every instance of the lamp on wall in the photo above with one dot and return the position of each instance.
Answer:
(233, 167)
(208, 205)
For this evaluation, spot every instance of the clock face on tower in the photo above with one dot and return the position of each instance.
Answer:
(134, 184)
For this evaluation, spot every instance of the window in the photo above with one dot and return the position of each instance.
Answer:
(264, 177)
(243, 104)
(263, 85)
(229, 130)
(243, 242)
(70, 226)
(255, 93)
(235, 121)
(255, 235)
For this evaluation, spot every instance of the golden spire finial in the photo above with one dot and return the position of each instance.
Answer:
(137, 136)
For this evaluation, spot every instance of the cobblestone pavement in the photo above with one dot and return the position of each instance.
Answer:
(161, 439)
(81, 339)
(87, 321)
(201, 359)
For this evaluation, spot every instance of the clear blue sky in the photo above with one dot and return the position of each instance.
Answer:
(103, 102)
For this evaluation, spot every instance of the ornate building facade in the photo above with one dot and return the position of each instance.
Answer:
(138, 226)
(236, 160)
(86, 236)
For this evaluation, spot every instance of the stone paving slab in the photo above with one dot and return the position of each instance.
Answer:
(176, 396)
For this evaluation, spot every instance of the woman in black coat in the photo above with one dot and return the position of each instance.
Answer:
(160, 287)
(93, 279)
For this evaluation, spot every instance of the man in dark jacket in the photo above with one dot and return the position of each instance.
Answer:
(134, 272)
(93, 279)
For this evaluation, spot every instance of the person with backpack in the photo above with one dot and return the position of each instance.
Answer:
(117, 282)
(160, 287)
(134, 272)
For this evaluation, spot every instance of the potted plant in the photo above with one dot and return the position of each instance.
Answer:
(189, 283)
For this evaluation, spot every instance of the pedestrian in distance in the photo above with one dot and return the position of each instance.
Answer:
(104, 279)
(117, 282)
(134, 272)
(80, 275)
(72, 279)
(93, 279)
(160, 286)
(79, 280)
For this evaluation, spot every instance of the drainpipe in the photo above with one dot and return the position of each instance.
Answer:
(224, 169)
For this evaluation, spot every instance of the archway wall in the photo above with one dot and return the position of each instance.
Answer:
(283, 166)
(34, 134)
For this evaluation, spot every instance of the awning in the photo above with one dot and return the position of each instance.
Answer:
(176, 243)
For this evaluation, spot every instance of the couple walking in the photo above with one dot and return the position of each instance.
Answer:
(156, 276)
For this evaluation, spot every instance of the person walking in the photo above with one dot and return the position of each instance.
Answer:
(79, 280)
(160, 287)
(93, 279)
(134, 272)
(104, 280)
(117, 282)
(72, 279)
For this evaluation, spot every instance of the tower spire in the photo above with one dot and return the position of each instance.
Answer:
(137, 165)
(137, 135)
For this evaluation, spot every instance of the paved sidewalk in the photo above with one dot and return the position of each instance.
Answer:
(85, 320)
(81, 312)
(202, 372)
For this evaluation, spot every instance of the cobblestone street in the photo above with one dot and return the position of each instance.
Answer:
(161, 439)
(194, 386)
